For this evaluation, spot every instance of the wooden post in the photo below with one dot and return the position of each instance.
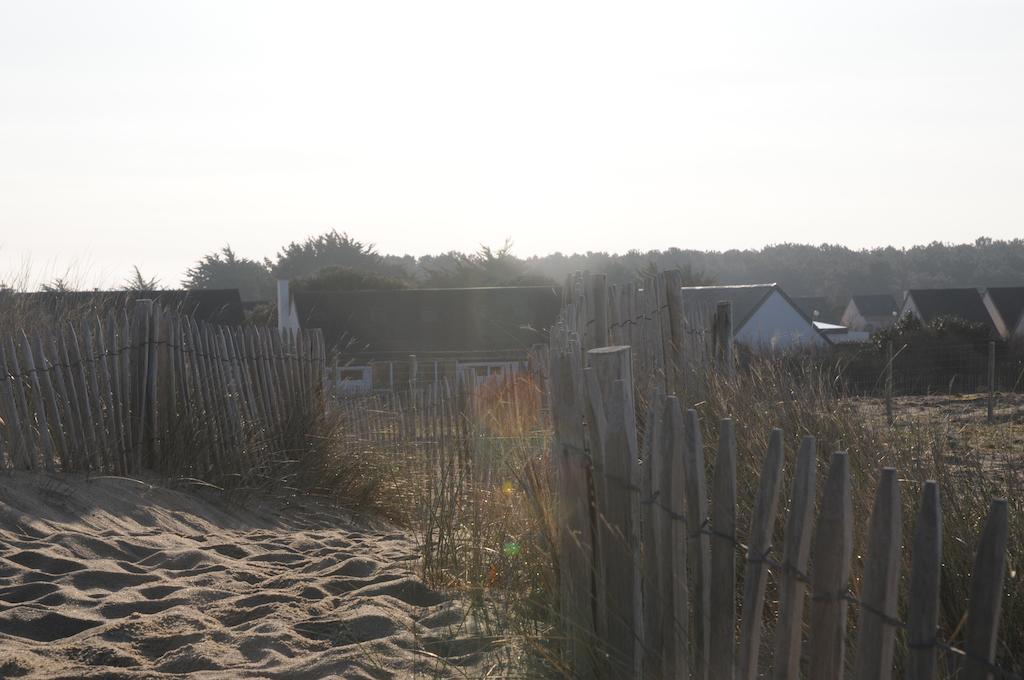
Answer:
(18, 446)
(876, 634)
(699, 549)
(795, 554)
(614, 428)
(833, 548)
(677, 506)
(37, 396)
(923, 600)
(991, 380)
(653, 599)
(986, 595)
(674, 362)
(755, 577)
(144, 377)
(888, 382)
(619, 519)
(722, 659)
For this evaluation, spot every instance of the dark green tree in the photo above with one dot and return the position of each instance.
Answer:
(139, 283)
(224, 269)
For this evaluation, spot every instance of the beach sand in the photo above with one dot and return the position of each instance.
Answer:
(117, 578)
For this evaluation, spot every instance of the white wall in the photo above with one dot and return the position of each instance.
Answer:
(778, 325)
(852, 318)
(287, 315)
(1001, 324)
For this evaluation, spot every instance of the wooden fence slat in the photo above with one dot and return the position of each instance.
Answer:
(576, 546)
(73, 404)
(795, 553)
(986, 595)
(22, 405)
(675, 360)
(18, 446)
(679, 542)
(597, 428)
(722, 658)
(622, 563)
(608, 367)
(876, 634)
(123, 345)
(830, 577)
(653, 652)
(100, 394)
(923, 599)
(699, 549)
(42, 421)
(107, 338)
(60, 400)
(755, 578)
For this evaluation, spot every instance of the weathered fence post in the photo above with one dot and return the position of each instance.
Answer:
(986, 595)
(722, 659)
(833, 548)
(795, 554)
(619, 519)
(575, 544)
(755, 578)
(876, 632)
(923, 599)
(699, 550)
(672, 281)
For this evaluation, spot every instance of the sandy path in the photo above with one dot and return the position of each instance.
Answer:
(113, 578)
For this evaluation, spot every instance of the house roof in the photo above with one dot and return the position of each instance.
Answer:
(811, 304)
(1009, 301)
(963, 303)
(745, 300)
(213, 305)
(880, 304)
(437, 320)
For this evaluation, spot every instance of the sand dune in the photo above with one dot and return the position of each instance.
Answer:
(113, 578)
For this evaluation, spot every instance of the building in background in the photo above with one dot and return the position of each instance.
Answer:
(371, 335)
(1006, 307)
(870, 313)
(764, 317)
(929, 304)
(816, 308)
(220, 306)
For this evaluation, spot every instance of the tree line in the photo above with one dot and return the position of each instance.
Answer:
(338, 261)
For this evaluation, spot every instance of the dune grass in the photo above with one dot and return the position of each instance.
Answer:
(482, 507)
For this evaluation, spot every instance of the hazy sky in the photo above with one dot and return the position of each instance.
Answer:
(151, 133)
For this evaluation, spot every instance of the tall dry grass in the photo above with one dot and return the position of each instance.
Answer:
(801, 399)
(482, 505)
(478, 498)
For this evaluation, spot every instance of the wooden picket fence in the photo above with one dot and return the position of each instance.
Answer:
(146, 389)
(649, 559)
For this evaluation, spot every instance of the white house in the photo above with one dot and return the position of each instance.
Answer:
(870, 312)
(764, 317)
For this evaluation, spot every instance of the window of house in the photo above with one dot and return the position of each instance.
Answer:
(350, 379)
(487, 371)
